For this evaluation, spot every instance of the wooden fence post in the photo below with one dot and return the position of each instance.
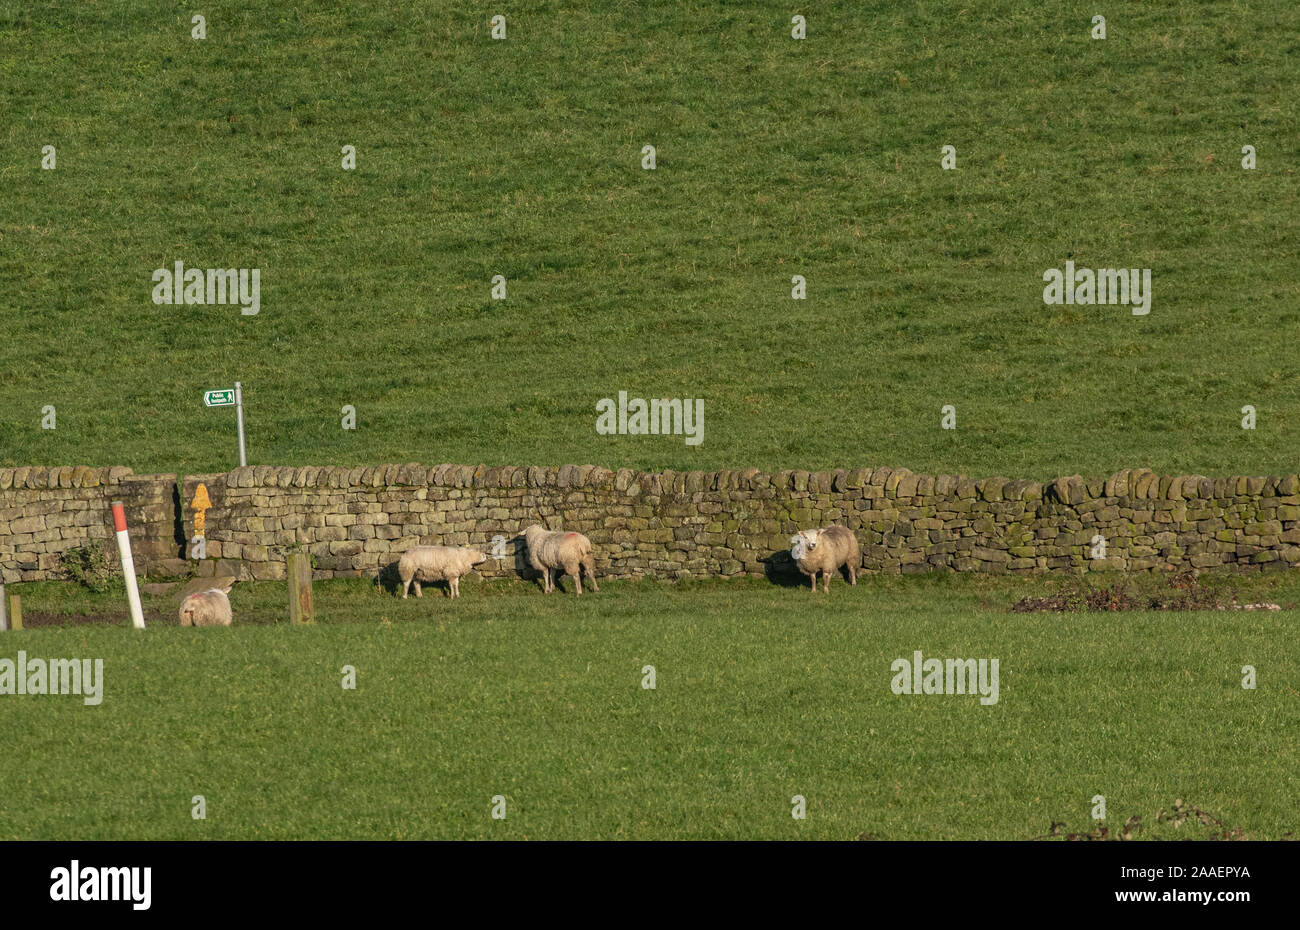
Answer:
(301, 609)
(15, 612)
(4, 607)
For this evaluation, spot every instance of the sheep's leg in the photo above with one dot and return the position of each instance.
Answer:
(575, 571)
(813, 579)
(853, 575)
(406, 586)
(455, 587)
(418, 591)
(826, 581)
(546, 580)
(590, 564)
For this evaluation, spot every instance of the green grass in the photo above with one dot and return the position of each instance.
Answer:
(763, 692)
(775, 158)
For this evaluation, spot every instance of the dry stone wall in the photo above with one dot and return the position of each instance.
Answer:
(356, 521)
(46, 511)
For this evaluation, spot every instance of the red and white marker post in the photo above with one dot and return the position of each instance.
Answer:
(128, 564)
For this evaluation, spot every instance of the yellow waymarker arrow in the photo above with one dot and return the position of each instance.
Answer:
(200, 506)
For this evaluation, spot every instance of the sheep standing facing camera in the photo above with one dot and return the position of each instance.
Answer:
(206, 608)
(437, 563)
(557, 551)
(825, 551)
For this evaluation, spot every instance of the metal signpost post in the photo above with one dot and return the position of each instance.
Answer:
(239, 423)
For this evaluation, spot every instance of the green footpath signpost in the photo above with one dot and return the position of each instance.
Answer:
(222, 398)
(230, 397)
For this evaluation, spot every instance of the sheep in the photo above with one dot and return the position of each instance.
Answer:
(825, 551)
(557, 551)
(437, 563)
(208, 608)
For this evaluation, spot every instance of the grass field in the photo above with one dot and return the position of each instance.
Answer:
(762, 693)
(776, 157)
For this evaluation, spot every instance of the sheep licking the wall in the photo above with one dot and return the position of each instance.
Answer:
(825, 551)
(437, 563)
(557, 551)
(207, 608)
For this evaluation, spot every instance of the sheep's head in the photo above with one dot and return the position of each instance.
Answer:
(803, 542)
(477, 557)
(530, 533)
(187, 611)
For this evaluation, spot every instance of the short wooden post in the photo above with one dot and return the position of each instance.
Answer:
(15, 612)
(4, 607)
(301, 609)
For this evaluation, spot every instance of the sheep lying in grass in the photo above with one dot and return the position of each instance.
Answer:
(437, 563)
(825, 551)
(557, 551)
(207, 608)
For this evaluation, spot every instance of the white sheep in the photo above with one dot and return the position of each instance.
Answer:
(437, 563)
(557, 551)
(207, 608)
(825, 551)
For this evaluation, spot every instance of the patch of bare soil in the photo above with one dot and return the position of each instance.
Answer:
(38, 618)
(33, 619)
(1184, 591)
(1201, 826)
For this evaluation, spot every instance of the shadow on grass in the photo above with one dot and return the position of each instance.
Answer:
(390, 581)
(780, 569)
